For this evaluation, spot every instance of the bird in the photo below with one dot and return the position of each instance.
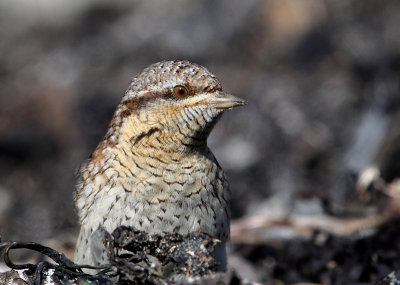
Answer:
(153, 170)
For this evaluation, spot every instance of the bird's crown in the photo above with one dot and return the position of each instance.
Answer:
(168, 74)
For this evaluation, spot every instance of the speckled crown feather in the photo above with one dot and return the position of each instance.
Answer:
(169, 74)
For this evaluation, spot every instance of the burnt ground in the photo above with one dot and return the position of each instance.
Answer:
(328, 259)
(138, 258)
(316, 150)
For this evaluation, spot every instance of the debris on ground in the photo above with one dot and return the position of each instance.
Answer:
(135, 258)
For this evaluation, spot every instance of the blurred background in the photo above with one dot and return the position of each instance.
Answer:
(321, 78)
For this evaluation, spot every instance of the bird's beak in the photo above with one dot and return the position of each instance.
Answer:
(222, 100)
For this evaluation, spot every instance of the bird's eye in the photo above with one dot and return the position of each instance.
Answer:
(181, 91)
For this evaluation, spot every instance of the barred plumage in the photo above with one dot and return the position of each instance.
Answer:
(153, 169)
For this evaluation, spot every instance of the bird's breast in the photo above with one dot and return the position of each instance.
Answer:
(154, 196)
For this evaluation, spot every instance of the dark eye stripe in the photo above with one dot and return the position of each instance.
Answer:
(141, 101)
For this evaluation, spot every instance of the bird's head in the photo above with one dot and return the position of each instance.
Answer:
(175, 100)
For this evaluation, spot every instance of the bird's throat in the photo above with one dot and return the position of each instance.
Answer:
(161, 139)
